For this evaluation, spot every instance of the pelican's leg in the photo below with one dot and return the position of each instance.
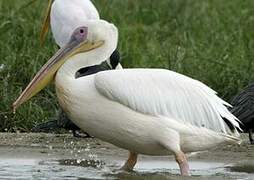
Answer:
(250, 136)
(183, 163)
(173, 145)
(131, 162)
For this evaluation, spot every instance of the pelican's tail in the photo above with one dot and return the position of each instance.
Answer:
(235, 138)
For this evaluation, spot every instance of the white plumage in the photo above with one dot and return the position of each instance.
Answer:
(166, 93)
(147, 111)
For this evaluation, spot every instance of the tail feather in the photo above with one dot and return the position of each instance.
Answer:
(235, 138)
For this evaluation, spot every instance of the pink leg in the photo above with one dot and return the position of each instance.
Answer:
(182, 162)
(131, 162)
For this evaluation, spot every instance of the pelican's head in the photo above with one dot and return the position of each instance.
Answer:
(96, 35)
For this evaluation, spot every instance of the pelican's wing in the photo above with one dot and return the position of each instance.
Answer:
(166, 93)
(67, 15)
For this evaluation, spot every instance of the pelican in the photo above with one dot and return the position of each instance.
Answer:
(146, 111)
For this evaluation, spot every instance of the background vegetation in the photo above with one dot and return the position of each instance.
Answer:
(209, 40)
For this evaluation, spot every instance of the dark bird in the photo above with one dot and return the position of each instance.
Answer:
(243, 109)
(63, 121)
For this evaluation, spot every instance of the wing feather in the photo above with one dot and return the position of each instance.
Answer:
(161, 92)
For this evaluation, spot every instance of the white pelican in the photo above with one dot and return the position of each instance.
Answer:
(146, 111)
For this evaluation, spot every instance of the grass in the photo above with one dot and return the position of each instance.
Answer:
(209, 40)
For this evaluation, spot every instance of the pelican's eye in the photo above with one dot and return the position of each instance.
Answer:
(81, 31)
(80, 34)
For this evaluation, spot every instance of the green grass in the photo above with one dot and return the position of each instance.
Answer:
(209, 40)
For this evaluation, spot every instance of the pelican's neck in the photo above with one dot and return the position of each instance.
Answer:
(94, 57)
(97, 30)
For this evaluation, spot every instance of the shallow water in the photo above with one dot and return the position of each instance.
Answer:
(46, 156)
(96, 169)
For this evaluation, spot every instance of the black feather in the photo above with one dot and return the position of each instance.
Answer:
(243, 109)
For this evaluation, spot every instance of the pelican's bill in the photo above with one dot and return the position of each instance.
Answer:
(48, 71)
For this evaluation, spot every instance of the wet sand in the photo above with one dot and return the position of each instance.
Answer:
(40, 156)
